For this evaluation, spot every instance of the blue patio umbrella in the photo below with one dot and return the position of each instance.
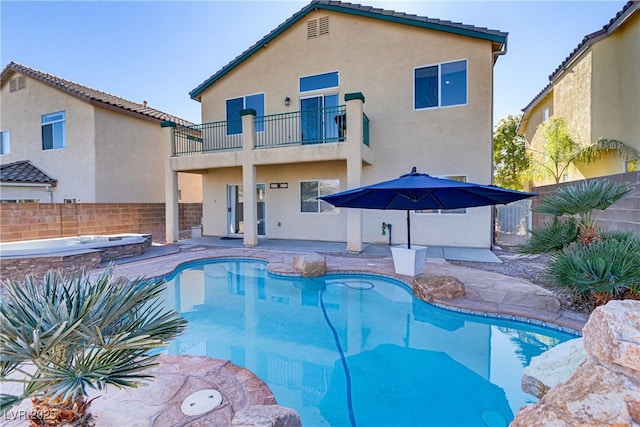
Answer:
(415, 191)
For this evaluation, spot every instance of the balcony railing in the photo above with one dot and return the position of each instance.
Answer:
(322, 126)
(207, 137)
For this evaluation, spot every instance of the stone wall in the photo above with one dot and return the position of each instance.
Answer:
(623, 215)
(28, 221)
(19, 268)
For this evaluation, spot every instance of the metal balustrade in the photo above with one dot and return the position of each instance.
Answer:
(307, 127)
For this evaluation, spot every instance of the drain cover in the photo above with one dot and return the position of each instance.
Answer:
(201, 401)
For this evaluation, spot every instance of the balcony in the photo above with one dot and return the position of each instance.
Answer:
(299, 128)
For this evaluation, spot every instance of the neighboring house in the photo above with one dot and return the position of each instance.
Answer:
(22, 182)
(93, 147)
(338, 96)
(596, 90)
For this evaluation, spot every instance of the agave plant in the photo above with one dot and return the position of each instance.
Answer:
(67, 335)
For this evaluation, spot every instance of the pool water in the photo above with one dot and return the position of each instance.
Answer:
(346, 350)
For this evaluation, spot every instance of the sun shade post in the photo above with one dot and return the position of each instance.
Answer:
(408, 231)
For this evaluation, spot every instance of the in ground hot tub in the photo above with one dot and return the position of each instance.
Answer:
(36, 257)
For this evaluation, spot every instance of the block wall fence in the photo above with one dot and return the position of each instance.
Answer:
(29, 221)
(623, 215)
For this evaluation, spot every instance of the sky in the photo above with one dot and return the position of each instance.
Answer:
(158, 51)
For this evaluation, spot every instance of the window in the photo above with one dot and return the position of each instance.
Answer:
(310, 190)
(460, 178)
(440, 85)
(321, 119)
(53, 131)
(5, 142)
(236, 105)
(545, 115)
(319, 81)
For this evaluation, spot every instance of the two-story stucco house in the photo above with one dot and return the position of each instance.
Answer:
(596, 90)
(62, 141)
(338, 96)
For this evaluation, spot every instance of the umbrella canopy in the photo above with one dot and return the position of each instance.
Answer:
(415, 191)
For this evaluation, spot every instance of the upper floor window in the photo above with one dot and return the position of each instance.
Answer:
(5, 142)
(319, 81)
(545, 115)
(311, 190)
(440, 85)
(54, 134)
(236, 105)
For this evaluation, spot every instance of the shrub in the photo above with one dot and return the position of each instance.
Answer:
(610, 266)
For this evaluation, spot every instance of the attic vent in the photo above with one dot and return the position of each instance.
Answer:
(312, 29)
(318, 27)
(18, 83)
(324, 25)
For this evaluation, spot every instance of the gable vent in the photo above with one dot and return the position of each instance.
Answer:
(312, 29)
(324, 25)
(18, 83)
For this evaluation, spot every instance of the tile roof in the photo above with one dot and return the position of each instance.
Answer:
(90, 95)
(24, 172)
(494, 36)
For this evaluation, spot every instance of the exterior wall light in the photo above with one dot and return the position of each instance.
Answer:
(287, 101)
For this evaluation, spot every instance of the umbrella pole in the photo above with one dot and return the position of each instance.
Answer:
(408, 231)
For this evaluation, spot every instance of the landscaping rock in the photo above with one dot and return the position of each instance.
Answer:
(605, 389)
(430, 288)
(266, 416)
(553, 367)
(310, 265)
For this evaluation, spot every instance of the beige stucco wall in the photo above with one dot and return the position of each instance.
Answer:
(42, 193)
(616, 85)
(599, 96)
(73, 166)
(378, 59)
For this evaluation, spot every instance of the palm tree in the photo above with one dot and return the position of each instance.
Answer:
(560, 149)
(66, 335)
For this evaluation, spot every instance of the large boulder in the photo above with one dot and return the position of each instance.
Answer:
(430, 288)
(310, 265)
(553, 367)
(605, 389)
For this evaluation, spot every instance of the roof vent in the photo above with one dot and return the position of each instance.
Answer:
(17, 84)
(312, 29)
(324, 25)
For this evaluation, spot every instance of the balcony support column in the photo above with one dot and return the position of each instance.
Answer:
(354, 138)
(250, 211)
(172, 216)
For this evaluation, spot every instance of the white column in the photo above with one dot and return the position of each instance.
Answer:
(354, 140)
(250, 211)
(170, 186)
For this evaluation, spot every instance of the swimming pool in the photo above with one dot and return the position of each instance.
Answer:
(347, 349)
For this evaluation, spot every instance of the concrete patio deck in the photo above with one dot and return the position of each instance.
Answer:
(487, 294)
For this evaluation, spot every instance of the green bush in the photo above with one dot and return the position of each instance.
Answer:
(557, 235)
(610, 266)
